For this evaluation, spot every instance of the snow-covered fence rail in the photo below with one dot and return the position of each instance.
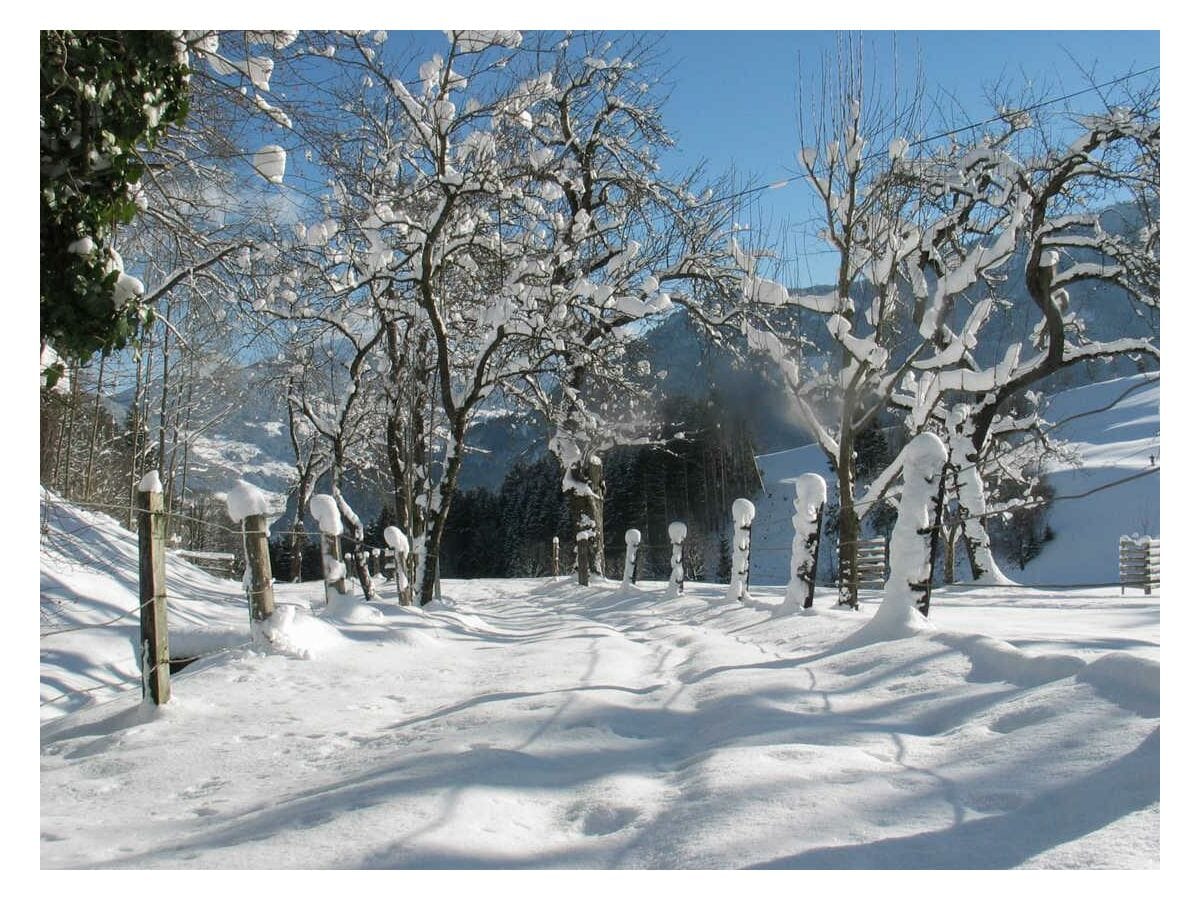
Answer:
(153, 650)
(1138, 562)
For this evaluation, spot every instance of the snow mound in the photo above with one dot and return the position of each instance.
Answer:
(349, 608)
(294, 632)
(1128, 681)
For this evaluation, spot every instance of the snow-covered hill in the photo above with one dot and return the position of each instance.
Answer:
(1113, 433)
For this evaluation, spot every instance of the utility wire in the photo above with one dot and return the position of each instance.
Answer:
(937, 137)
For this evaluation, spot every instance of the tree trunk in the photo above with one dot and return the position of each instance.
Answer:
(595, 480)
(847, 526)
(948, 559)
(428, 565)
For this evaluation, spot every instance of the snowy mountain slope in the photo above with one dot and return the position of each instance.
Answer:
(1112, 429)
(533, 724)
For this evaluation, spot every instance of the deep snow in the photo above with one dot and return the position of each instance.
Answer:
(533, 723)
(527, 723)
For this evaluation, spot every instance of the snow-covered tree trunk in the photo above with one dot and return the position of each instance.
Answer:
(677, 531)
(972, 500)
(739, 583)
(633, 540)
(806, 523)
(924, 460)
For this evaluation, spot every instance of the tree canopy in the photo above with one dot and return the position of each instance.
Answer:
(106, 96)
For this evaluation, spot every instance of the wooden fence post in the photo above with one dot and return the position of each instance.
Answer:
(396, 539)
(258, 566)
(154, 652)
(329, 521)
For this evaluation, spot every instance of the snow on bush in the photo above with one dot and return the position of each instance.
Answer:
(810, 497)
(245, 500)
(743, 515)
(325, 511)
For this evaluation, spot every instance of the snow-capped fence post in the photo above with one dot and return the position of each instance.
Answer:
(739, 582)
(809, 507)
(395, 539)
(154, 653)
(554, 556)
(329, 521)
(248, 507)
(677, 531)
(258, 566)
(633, 539)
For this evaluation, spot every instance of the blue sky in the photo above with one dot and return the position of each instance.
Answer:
(733, 99)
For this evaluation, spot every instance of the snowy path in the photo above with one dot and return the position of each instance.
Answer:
(540, 725)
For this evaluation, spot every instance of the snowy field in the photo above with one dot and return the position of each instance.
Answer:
(532, 723)
(539, 724)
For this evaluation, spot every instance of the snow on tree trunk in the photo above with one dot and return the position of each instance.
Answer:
(968, 484)
(809, 502)
(677, 532)
(739, 583)
(633, 539)
(924, 460)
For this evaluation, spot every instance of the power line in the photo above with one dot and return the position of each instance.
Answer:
(782, 182)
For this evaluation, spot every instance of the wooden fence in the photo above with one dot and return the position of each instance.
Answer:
(1138, 563)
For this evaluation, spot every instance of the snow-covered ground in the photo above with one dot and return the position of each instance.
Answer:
(532, 723)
